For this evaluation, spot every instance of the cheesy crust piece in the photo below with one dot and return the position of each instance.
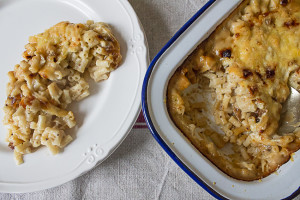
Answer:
(51, 76)
(246, 68)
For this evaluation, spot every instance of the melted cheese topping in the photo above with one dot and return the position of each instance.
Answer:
(246, 68)
(52, 76)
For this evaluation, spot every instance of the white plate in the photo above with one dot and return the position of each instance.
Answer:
(283, 184)
(104, 118)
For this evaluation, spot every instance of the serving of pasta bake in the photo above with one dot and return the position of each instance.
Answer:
(52, 75)
(227, 96)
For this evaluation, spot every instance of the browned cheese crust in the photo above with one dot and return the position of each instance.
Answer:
(241, 75)
(52, 75)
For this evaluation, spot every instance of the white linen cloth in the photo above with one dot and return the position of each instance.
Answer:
(139, 168)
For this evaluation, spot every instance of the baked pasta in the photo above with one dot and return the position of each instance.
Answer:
(238, 79)
(51, 76)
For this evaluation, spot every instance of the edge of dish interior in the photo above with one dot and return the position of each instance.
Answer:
(161, 125)
(139, 53)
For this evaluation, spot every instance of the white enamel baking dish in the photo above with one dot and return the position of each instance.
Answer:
(284, 184)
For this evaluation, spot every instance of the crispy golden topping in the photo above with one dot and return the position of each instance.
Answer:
(241, 75)
(52, 76)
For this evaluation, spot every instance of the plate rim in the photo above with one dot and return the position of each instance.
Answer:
(150, 124)
(143, 60)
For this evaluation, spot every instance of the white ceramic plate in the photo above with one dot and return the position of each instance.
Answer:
(283, 184)
(104, 118)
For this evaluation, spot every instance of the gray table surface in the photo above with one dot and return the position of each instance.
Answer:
(139, 168)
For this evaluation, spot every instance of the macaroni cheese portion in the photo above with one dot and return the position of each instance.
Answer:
(51, 76)
(245, 68)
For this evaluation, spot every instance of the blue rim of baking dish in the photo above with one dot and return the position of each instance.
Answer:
(149, 121)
